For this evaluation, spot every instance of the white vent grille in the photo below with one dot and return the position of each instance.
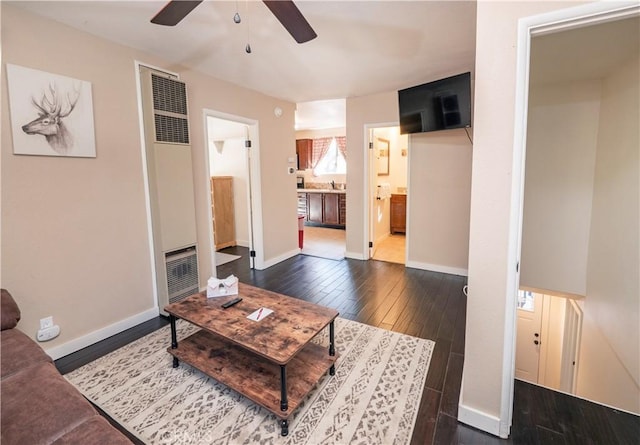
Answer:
(182, 273)
(170, 110)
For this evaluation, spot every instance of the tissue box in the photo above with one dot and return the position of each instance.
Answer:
(222, 287)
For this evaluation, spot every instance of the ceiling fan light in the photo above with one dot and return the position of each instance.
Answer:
(248, 49)
(236, 18)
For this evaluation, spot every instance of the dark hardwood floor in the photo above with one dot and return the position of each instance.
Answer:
(424, 304)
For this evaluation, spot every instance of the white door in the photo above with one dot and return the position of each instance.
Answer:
(528, 338)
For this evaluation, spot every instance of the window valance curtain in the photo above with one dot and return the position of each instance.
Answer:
(342, 145)
(319, 149)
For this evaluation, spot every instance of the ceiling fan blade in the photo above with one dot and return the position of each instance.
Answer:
(292, 19)
(174, 11)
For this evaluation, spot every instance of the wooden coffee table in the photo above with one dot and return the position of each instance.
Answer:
(271, 362)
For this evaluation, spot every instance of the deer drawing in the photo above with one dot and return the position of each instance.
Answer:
(49, 122)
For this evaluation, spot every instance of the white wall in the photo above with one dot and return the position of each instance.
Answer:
(562, 133)
(233, 162)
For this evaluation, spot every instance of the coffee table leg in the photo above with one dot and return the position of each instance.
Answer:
(284, 423)
(332, 348)
(174, 338)
(284, 403)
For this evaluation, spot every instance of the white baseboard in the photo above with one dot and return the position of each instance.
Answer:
(480, 420)
(74, 345)
(355, 256)
(280, 258)
(438, 268)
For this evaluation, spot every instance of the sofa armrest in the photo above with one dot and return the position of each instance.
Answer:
(9, 311)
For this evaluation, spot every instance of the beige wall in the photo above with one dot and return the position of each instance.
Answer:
(74, 230)
(613, 272)
(439, 201)
(562, 133)
(439, 175)
(484, 397)
(367, 110)
(581, 203)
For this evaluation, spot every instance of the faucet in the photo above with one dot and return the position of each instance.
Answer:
(333, 184)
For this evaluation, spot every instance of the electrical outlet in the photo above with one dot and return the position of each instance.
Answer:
(48, 334)
(46, 322)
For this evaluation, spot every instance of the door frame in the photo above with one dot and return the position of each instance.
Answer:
(254, 198)
(368, 225)
(528, 27)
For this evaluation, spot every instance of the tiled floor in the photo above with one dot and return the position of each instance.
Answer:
(324, 243)
(330, 243)
(391, 249)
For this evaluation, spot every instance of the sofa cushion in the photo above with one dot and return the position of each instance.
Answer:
(95, 431)
(40, 406)
(9, 311)
(19, 352)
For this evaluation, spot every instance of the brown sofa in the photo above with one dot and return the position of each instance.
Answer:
(38, 405)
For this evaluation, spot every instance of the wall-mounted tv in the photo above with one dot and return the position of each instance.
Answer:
(440, 105)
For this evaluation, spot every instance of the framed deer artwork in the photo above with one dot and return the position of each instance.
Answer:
(51, 115)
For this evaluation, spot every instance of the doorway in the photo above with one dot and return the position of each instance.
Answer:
(387, 194)
(596, 188)
(230, 172)
(548, 340)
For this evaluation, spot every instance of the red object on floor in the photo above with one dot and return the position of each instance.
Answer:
(300, 231)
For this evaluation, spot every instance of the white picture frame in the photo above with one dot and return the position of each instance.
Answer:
(51, 114)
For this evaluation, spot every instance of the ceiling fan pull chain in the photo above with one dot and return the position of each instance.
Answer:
(236, 17)
(248, 47)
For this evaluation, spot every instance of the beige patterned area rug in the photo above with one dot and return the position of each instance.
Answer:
(373, 397)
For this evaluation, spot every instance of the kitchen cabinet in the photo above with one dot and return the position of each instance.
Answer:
(398, 210)
(327, 209)
(330, 208)
(224, 226)
(304, 148)
(314, 207)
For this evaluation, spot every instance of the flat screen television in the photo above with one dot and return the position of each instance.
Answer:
(440, 105)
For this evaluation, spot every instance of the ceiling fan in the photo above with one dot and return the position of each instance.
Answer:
(285, 11)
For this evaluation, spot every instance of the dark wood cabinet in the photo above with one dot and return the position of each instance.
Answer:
(304, 149)
(330, 208)
(398, 213)
(314, 208)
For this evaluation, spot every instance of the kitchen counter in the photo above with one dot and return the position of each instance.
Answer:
(321, 191)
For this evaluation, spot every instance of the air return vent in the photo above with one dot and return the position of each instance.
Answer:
(171, 129)
(170, 110)
(169, 95)
(182, 273)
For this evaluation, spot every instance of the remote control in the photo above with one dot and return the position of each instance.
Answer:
(231, 303)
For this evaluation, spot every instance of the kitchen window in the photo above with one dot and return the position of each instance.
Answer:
(332, 160)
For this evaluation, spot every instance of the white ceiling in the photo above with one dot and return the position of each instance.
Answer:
(363, 47)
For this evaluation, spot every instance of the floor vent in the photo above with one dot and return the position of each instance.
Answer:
(182, 273)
